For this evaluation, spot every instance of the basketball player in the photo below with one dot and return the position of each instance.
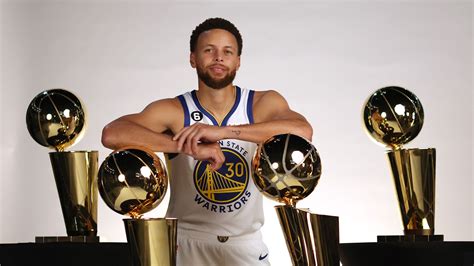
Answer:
(209, 136)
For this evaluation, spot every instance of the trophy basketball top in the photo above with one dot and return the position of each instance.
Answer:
(393, 116)
(286, 168)
(132, 181)
(56, 119)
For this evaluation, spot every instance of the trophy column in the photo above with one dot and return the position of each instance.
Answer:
(76, 180)
(311, 239)
(152, 241)
(413, 171)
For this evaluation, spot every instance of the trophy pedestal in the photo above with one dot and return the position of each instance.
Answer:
(442, 253)
(410, 238)
(67, 239)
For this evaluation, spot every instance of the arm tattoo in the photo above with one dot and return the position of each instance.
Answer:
(236, 132)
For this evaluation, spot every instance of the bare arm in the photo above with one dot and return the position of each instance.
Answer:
(153, 128)
(272, 116)
(145, 128)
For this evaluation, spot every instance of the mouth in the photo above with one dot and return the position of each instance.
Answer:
(218, 68)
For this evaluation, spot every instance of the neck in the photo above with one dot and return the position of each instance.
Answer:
(217, 102)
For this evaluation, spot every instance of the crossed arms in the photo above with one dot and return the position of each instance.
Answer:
(160, 128)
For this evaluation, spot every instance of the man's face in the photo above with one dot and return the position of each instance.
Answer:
(216, 58)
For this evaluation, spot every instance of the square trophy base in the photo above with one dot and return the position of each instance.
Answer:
(410, 238)
(67, 239)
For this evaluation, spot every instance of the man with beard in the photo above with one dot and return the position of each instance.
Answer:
(209, 136)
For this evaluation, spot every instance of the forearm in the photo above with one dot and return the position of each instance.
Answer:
(119, 134)
(259, 132)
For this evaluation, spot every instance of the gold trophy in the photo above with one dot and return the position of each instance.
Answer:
(287, 168)
(133, 181)
(394, 116)
(56, 119)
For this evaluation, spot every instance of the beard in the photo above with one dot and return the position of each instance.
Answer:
(216, 83)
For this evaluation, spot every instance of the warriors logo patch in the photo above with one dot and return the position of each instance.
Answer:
(225, 185)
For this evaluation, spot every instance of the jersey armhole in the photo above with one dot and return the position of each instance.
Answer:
(185, 110)
(250, 106)
(181, 99)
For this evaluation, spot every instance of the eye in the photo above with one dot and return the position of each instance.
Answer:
(208, 50)
(228, 52)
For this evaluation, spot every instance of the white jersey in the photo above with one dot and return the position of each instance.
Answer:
(225, 202)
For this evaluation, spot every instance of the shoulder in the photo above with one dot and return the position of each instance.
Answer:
(159, 107)
(267, 105)
(166, 113)
(268, 97)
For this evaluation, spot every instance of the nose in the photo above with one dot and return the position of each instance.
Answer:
(219, 57)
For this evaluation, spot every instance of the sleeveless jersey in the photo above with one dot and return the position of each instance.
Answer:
(225, 202)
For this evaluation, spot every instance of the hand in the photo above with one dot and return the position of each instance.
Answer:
(189, 137)
(210, 152)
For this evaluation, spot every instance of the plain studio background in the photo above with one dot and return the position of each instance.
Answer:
(326, 58)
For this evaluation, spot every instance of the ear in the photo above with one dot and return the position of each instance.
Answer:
(192, 60)
(238, 63)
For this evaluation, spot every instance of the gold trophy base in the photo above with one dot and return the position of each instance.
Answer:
(410, 238)
(67, 239)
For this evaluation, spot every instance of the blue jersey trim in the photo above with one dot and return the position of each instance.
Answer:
(238, 94)
(250, 106)
(185, 109)
(199, 106)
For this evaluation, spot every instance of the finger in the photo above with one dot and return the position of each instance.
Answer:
(189, 141)
(183, 136)
(216, 164)
(213, 165)
(186, 151)
(196, 139)
(219, 159)
(182, 132)
(222, 158)
(213, 161)
(177, 137)
(179, 133)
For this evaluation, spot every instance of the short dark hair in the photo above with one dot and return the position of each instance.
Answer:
(215, 23)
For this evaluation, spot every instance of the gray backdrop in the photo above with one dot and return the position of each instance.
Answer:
(326, 58)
